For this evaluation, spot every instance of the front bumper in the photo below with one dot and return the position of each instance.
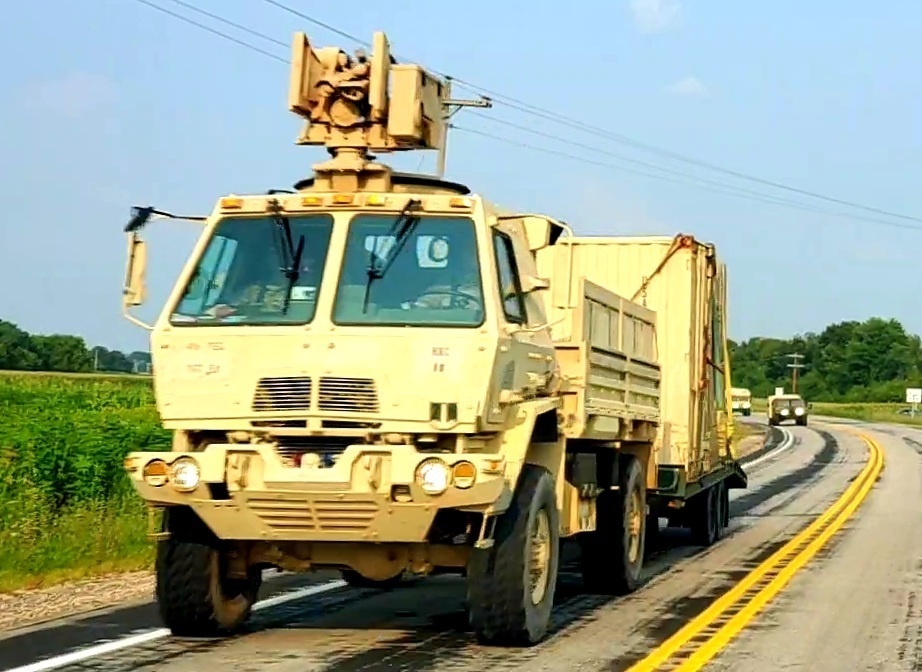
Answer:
(246, 492)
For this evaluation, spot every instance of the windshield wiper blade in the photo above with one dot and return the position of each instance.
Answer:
(400, 230)
(293, 273)
(290, 254)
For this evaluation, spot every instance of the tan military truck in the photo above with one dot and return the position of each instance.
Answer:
(742, 400)
(384, 373)
(782, 407)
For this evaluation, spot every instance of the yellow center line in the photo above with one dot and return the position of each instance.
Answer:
(728, 615)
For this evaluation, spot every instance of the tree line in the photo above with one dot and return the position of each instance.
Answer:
(870, 361)
(22, 351)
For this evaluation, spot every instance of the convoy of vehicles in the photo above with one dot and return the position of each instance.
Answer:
(384, 373)
(742, 401)
(782, 407)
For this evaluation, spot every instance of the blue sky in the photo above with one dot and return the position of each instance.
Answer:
(109, 103)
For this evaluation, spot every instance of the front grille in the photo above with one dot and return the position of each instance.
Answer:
(348, 395)
(294, 515)
(282, 394)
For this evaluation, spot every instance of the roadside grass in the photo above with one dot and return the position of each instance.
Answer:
(45, 546)
(743, 431)
(67, 509)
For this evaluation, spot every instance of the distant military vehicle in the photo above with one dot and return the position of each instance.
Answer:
(742, 400)
(782, 407)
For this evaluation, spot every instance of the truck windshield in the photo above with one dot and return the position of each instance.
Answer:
(433, 279)
(241, 276)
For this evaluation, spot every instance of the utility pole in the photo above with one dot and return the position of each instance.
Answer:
(447, 113)
(795, 366)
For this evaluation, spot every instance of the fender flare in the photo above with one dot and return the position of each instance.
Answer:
(517, 448)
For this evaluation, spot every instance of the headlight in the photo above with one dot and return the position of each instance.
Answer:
(784, 411)
(799, 411)
(433, 476)
(156, 473)
(185, 474)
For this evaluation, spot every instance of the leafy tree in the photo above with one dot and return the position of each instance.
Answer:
(874, 360)
(21, 351)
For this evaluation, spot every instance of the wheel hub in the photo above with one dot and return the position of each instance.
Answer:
(539, 567)
(635, 524)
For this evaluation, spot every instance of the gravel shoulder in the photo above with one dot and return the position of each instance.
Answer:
(30, 607)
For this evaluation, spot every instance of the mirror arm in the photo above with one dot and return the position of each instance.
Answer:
(126, 312)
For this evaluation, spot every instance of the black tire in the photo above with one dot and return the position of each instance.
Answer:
(356, 580)
(193, 596)
(651, 533)
(612, 555)
(704, 517)
(725, 505)
(503, 610)
(747, 412)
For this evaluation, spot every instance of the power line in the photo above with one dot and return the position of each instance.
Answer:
(523, 106)
(212, 30)
(228, 22)
(729, 190)
(688, 179)
(513, 103)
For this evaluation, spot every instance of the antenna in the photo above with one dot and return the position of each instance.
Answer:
(355, 105)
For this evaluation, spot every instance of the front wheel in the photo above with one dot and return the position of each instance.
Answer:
(194, 597)
(511, 585)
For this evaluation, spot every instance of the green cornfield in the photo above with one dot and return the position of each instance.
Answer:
(66, 506)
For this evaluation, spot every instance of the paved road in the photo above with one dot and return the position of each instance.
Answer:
(858, 605)
(853, 607)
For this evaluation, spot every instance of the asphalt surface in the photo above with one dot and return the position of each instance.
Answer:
(857, 605)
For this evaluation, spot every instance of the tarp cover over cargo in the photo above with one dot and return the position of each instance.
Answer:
(675, 278)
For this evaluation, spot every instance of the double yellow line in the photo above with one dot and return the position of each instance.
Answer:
(704, 637)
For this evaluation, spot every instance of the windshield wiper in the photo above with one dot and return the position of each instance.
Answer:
(290, 253)
(400, 231)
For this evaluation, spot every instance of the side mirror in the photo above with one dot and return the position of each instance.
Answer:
(135, 290)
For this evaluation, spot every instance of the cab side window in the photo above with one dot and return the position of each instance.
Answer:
(509, 286)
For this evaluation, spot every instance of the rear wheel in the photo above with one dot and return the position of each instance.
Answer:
(511, 585)
(705, 517)
(612, 555)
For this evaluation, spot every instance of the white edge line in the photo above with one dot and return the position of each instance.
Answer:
(787, 443)
(143, 638)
